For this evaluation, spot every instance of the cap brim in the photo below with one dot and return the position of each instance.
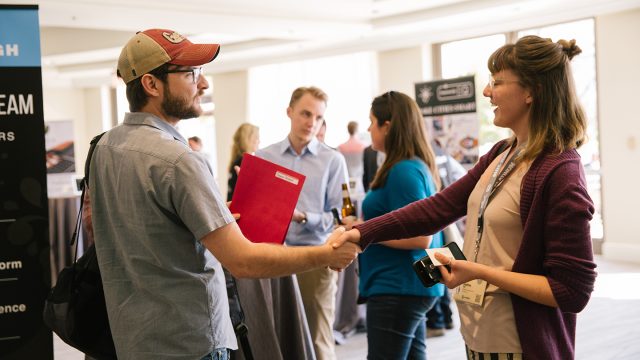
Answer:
(196, 54)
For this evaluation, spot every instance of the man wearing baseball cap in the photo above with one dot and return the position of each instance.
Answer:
(161, 227)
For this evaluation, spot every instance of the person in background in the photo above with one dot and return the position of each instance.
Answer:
(246, 139)
(195, 143)
(350, 315)
(322, 131)
(353, 150)
(312, 221)
(162, 230)
(397, 302)
(371, 160)
(440, 317)
(529, 267)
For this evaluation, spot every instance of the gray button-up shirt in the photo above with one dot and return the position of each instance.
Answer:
(152, 200)
(325, 171)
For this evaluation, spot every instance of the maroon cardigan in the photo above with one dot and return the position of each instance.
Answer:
(555, 210)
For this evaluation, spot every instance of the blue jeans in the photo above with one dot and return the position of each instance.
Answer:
(440, 316)
(396, 326)
(218, 354)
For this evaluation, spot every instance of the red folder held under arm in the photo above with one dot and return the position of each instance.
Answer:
(265, 197)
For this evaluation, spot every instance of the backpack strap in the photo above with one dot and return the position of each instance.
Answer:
(237, 315)
(83, 185)
(87, 163)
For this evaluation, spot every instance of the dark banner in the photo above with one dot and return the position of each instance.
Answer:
(445, 97)
(25, 275)
(449, 109)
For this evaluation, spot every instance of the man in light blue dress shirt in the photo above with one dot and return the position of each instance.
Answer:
(325, 170)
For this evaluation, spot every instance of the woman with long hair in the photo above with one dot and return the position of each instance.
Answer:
(397, 302)
(529, 266)
(245, 140)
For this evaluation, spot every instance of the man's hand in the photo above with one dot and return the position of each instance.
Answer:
(236, 215)
(343, 255)
(352, 236)
(298, 216)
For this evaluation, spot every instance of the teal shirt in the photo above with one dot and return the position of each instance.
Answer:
(387, 271)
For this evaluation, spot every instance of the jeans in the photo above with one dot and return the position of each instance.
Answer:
(218, 354)
(396, 326)
(440, 315)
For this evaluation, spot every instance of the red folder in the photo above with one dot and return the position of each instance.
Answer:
(265, 197)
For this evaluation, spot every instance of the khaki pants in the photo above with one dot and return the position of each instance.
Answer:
(318, 289)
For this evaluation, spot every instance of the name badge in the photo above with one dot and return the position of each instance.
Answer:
(471, 292)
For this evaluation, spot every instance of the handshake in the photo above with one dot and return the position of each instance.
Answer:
(344, 246)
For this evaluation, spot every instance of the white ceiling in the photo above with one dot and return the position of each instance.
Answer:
(81, 39)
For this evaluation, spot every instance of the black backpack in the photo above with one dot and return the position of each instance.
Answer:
(75, 308)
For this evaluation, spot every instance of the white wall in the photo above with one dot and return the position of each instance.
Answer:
(348, 80)
(88, 108)
(400, 69)
(618, 66)
(230, 96)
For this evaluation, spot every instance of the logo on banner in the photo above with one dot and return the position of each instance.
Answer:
(9, 50)
(12, 104)
(455, 91)
(425, 93)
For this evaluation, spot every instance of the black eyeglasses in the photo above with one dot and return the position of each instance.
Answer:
(195, 73)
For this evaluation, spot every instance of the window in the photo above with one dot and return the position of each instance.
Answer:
(584, 73)
(467, 57)
(348, 80)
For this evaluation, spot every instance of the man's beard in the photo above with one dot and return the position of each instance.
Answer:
(178, 107)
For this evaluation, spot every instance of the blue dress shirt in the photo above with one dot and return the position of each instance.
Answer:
(325, 170)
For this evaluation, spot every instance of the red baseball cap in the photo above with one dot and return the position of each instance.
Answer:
(152, 48)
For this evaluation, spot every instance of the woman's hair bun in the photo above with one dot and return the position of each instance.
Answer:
(569, 47)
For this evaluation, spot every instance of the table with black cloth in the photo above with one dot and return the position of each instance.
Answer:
(275, 316)
(349, 315)
(62, 221)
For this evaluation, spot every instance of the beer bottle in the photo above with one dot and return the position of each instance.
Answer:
(348, 211)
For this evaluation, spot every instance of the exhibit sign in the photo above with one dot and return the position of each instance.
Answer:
(25, 275)
(60, 160)
(449, 109)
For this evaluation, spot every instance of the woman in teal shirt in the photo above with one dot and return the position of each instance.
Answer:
(397, 302)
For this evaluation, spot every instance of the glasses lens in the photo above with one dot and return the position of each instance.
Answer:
(196, 74)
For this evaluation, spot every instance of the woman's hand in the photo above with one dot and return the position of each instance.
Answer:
(352, 235)
(349, 222)
(535, 288)
(462, 271)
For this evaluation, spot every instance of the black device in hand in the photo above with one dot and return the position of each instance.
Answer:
(428, 273)
(336, 216)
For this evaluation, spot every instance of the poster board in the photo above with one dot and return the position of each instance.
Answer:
(449, 109)
(25, 277)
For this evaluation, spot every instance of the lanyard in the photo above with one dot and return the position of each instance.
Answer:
(494, 184)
